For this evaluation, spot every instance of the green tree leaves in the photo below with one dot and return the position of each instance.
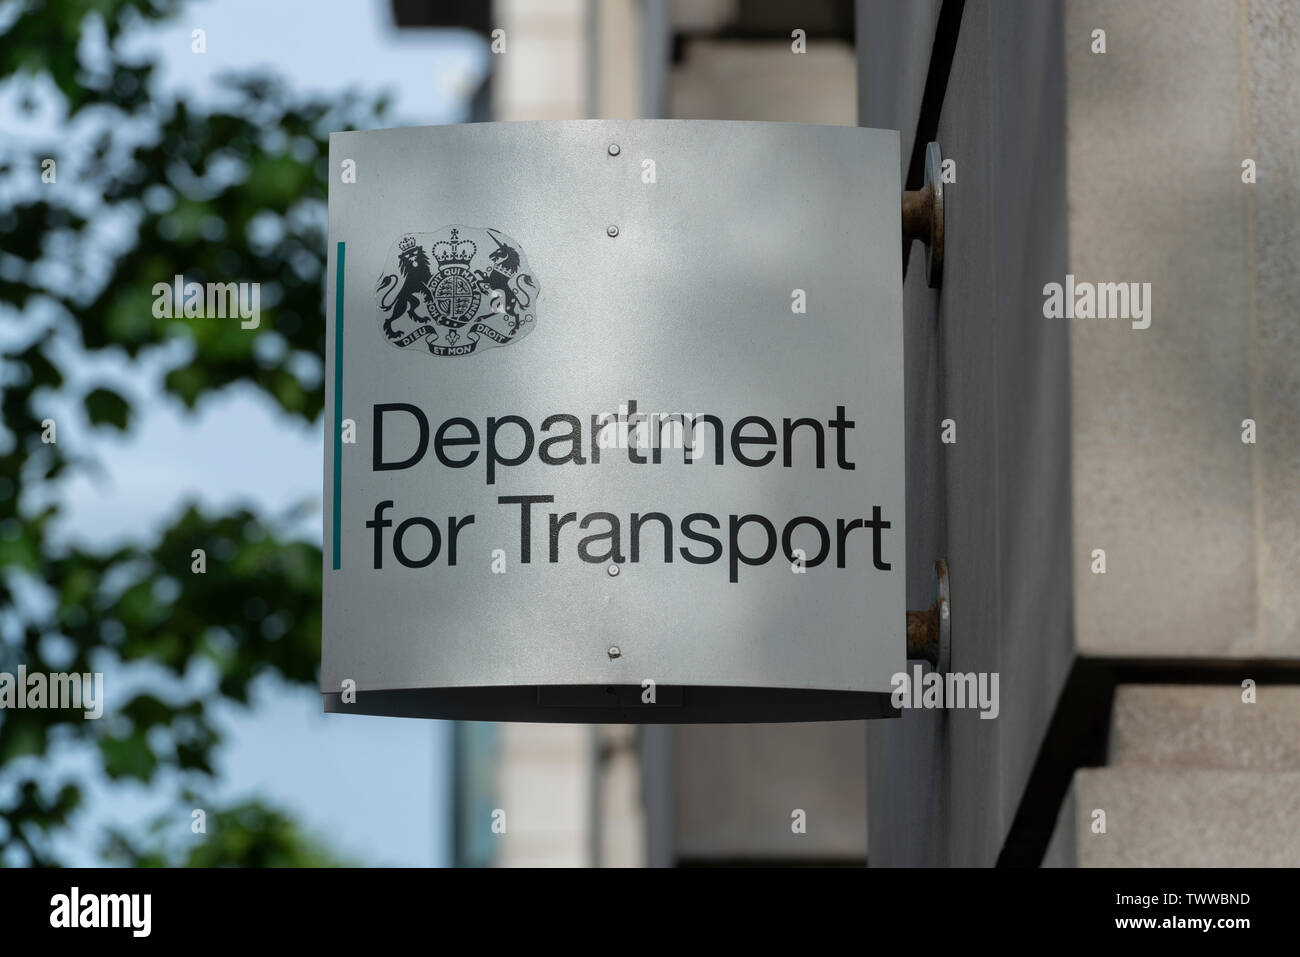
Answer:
(106, 407)
(229, 194)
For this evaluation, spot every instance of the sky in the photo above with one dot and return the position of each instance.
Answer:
(374, 789)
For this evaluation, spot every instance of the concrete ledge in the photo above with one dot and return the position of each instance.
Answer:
(1206, 727)
(1157, 817)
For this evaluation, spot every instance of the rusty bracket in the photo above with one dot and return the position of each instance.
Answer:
(923, 215)
(929, 632)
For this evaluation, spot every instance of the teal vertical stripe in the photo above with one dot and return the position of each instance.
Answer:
(338, 400)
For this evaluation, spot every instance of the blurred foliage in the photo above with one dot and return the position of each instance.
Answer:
(233, 191)
(246, 835)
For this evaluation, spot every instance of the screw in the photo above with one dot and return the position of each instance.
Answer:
(614, 652)
(613, 571)
(614, 149)
(611, 232)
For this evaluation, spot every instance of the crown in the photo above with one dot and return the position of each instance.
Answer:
(406, 243)
(456, 252)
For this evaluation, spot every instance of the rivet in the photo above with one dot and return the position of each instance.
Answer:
(614, 149)
(611, 232)
(613, 571)
(614, 651)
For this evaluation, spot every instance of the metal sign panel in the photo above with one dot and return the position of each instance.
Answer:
(614, 422)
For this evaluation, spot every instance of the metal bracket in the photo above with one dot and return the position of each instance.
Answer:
(929, 632)
(923, 215)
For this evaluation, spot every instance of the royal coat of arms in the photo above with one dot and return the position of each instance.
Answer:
(457, 291)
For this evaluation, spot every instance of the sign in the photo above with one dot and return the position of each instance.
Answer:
(614, 422)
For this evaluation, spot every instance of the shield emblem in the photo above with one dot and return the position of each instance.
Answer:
(456, 291)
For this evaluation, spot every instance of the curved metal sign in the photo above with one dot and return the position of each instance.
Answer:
(678, 494)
